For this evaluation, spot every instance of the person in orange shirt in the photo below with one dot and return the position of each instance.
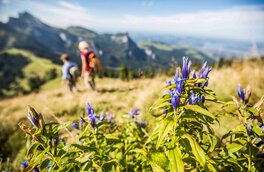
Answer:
(90, 65)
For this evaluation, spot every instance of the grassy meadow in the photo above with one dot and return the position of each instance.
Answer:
(116, 97)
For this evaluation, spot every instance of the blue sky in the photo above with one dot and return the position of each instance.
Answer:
(232, 19)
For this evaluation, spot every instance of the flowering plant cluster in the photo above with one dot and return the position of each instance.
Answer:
(184, 138)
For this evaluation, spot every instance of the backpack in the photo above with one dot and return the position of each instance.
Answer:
(74, 73)
(93, 61)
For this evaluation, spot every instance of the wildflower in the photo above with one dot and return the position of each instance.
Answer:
(75, 125)
(92, 119)
(202, 98)
(164, 111)
(101, 117)
(82, 121)
(49, 165)
(142, 124)
(63, 141)
(33, 120)
(168, 83)
(186, 67)
(260, 155)
(180, 85)
(36, 169)
(133, 112)
(249, 130)
(108, 116)
(89, 108)
(24, 164)
(241, 93)
(205, 70)
(247, 94)
(193, 74)
(177, 75)
(193, 99)
(175, 100)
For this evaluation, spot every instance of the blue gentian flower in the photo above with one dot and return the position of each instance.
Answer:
(36, 169)
(108, 116)
(92, 119)
(249, 130)
(202, 99)
(89, 109)
(180, 85)
(133, 112)
(82, 121)
(168, 83)
(205, 70)
(34, 120)
(164, 111)
(193, 99)
(24, 164)
(49, 165)
(63, 141)
(101, 117)
(241, 93)
(177, 75)
(186, 66)
(75, 125)
(142, 124)
(193, 74)
(175, 100)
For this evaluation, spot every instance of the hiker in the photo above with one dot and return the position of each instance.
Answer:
(90, 65)
(70, 72)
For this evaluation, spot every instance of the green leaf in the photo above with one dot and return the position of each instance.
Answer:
(33, 148)
(200, 110)
(233, 147)
(197, 151)
(175, 157)
(44, 164)
(155, 167)
(257, 130)
(165, 128)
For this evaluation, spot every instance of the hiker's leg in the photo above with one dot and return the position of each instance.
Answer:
(70, 85)
(91, 78)
(86, 80)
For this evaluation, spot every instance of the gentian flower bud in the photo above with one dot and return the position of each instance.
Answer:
(75, 125)
(241, 93)
(186, 66)
(180, 85)
(247, 94)
(193, 99)
(175, 100)
(49, 165)
(193, 74)
(36, 169)
(101, 117)
(92, 120)
(249, 130)
(89, 109)
(108, 116)
(24, 164)
(168, 83)
(82, 121)
(177, 75)
(164, 111)
(33, 116)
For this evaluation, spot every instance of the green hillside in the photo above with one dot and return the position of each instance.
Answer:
(27, 70)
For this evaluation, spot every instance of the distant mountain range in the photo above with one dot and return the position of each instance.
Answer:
(29, 33)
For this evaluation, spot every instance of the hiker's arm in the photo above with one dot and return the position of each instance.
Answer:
(83, 65)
